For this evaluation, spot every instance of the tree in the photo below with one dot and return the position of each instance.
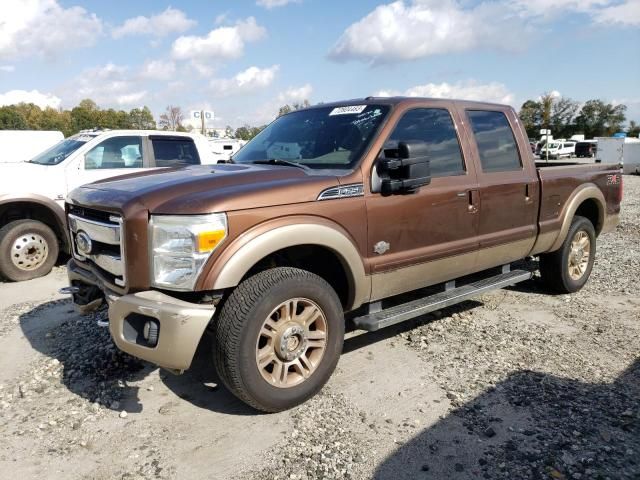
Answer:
(171, 119)
(552, 112)
(141, 119)
(633, 130)
(531, 116)
(290, 108)
(597, 118)
(85, 115)
(12, 119)
(228, 132)
(247, 133)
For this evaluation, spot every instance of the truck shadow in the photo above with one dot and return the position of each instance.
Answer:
(531, 426)
(94, 369)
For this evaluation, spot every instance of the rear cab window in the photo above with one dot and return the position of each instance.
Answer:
(434, 127)
(174, 151)
(496, 143)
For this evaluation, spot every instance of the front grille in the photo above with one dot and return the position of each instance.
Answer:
(96, 240)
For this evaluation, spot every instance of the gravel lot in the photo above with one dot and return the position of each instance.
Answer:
(515, 384)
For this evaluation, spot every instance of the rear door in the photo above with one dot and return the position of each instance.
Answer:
(508, 185)
(173, 151)
(413, 237)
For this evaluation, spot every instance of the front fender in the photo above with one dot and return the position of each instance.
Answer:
(249, 248)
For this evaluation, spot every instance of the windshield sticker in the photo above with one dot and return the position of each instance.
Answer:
(348, 110)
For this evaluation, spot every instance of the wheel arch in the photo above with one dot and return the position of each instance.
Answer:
(35, 207)
(293, 244)
(587, 201)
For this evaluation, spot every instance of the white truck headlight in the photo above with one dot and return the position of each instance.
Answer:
(180, 246)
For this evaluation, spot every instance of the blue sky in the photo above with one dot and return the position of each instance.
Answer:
(243, 59)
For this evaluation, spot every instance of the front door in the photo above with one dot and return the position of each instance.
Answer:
(429, 236)
(112, 157)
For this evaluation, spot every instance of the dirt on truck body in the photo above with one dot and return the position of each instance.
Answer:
(330, 215)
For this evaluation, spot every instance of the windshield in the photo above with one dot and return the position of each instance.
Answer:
(61, 150)
(325, 137)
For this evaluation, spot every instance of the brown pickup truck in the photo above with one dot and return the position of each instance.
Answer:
(366, 213)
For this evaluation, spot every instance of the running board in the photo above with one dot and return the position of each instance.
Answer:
(406, 311)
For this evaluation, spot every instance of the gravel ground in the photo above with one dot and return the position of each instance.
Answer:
(515, 384)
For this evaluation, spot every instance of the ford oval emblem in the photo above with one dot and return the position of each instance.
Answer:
(83, 243)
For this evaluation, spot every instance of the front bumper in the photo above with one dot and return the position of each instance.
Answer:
(180, 324)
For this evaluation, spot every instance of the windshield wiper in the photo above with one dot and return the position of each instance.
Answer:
(279, 161)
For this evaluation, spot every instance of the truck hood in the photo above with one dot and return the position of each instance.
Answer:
(205, 189)
(28, 178)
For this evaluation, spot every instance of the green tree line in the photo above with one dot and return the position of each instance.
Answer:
(566, 117)
(86, 115)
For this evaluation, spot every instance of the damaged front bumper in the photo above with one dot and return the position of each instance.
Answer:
(149, 325)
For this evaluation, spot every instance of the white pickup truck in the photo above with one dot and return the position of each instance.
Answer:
(32, 193)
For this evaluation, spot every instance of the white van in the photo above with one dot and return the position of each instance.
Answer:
(559, 149)
(224, 148)
(22, 145)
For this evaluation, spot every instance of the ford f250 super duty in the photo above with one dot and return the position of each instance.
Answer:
(370, 212)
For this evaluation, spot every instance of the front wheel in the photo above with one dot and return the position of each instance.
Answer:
(567, 269)
(28, 249)
(278, 338)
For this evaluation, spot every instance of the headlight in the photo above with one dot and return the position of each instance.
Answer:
(180, 246)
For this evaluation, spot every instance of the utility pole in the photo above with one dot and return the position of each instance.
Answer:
(202, 121)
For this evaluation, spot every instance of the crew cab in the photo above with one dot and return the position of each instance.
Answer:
(367, 212)
(32, 193)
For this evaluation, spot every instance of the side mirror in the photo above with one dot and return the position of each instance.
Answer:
(405, 169)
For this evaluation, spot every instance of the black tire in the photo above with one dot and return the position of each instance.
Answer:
(236, 333)
(28, 230)
(554, 266)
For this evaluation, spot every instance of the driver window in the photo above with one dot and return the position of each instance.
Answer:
(433, 126)
(117, 152)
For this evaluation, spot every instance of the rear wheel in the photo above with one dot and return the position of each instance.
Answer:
(567, 269)
(278, 338)
(28, 249)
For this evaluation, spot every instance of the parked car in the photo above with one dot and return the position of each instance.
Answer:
(558, 150)
(21, 145)
(32, 220)
(586, 148)
(329, 215)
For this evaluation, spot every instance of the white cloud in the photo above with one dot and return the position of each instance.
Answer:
(7, 68)
(469, 90)
(170, 21)
(43, 27)
(269, 4)
(223, 42)
(627, 13)
(158, 70)
(405, 31)
(43, 100)
(108, 85)
(296, 95)
(251, 79)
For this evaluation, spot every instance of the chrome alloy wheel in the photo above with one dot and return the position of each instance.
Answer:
(579, 255)
(29, 251)
(291, 342)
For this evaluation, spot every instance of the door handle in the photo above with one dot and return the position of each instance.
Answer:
(473, 201)
(461, 194)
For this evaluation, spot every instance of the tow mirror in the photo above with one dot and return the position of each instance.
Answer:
(404, 169)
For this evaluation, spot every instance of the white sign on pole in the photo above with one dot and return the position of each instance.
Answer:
(197, 115)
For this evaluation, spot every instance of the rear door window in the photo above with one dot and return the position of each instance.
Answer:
(435, 127)
(496, 144)
(174, 151)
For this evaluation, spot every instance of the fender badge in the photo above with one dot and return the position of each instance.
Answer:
(381, 247)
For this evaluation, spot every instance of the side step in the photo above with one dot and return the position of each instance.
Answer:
(406, 311)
